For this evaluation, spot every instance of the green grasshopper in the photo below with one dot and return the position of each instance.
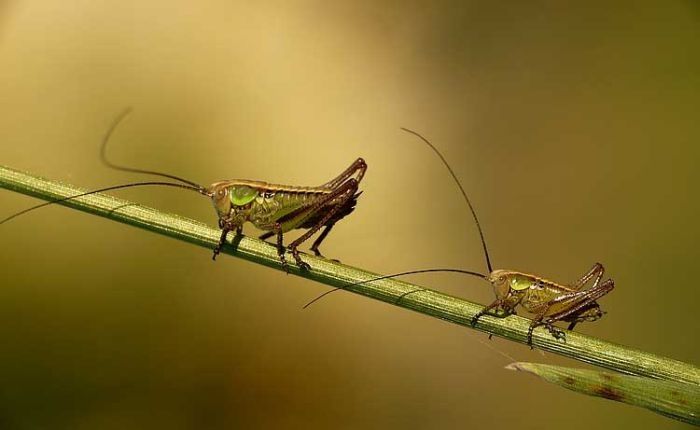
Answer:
(547, 300)
(274, 208)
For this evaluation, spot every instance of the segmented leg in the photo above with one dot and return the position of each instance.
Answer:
(222, 241)
(225, 229)
(574, 320)
(266, 235)
(342, 193)
(320, 238)
(566, 307)
(277, 229)
(556, 332)
(358, 166)
(483, 312)
(596, 271)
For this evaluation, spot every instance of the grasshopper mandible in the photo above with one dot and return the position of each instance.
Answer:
(549, 301)
(274, 208)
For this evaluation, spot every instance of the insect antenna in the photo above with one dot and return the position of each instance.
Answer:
(464, 194)
(410, 272)
(106, 162)
(414, 272)
(103, 157)
(114, 187)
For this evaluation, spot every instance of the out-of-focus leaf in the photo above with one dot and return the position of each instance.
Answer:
(673, 399)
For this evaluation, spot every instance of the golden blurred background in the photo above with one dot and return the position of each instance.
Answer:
(574, 127)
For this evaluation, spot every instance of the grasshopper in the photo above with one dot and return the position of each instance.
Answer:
(280, 208)
(549, 301)
(274, 208)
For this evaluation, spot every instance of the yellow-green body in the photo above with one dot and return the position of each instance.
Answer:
(533, 293)
(266, 205)
(279, 208)
(548, 300)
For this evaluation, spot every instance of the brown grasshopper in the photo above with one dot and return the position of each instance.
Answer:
(280, 208)
(547, 300)
(271, 207)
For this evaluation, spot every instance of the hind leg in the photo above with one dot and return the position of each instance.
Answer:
(343, 193)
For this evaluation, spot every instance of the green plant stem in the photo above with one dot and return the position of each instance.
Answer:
(426, 301)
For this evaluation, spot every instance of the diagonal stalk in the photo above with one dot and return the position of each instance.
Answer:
(429, 302)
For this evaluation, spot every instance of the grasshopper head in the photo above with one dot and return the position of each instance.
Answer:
(505, 281)
(499, 280)
(219, 193)
(231, 199)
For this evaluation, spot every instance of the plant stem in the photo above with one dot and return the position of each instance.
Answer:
(426, 301)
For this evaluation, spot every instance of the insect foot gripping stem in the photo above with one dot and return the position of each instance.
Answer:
(302, 264)
(556, 332)
(484, 311)
(476, 317)
(281, 250)
(225, 229)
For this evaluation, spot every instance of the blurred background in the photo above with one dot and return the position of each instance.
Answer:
(573, 127)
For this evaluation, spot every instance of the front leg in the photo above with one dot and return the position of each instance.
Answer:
(225, 229)
(222, 241)
(495, 304)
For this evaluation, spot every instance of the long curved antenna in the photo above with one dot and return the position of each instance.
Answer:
(410, 272)
(115, 187)
(464, 193)
(103, 155)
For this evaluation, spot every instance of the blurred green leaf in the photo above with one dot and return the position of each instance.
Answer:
(673, 399)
